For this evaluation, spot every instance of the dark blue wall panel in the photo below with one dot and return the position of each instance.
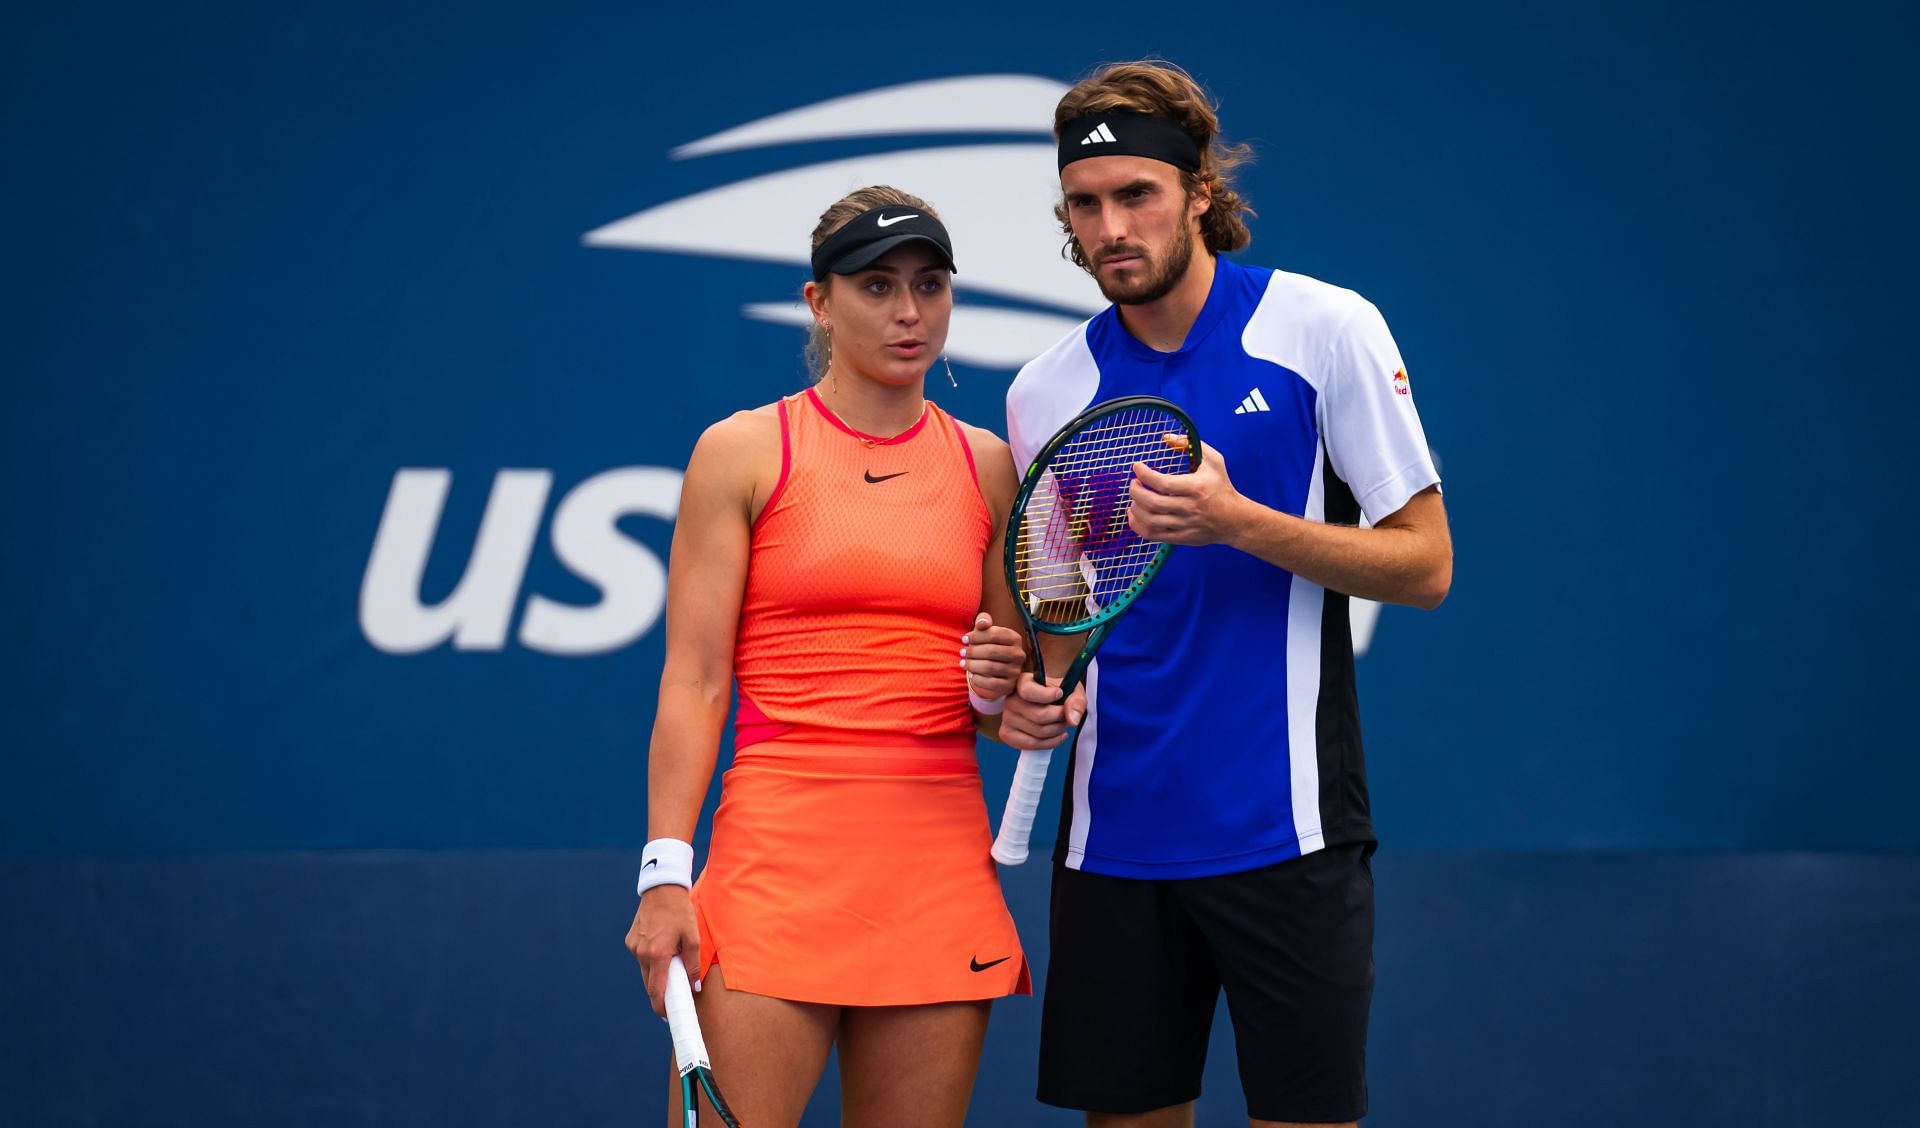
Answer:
(482, 989)
(1650, 267)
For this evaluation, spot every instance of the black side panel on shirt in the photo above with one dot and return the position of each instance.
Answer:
(1065, 832)
(1344, 813)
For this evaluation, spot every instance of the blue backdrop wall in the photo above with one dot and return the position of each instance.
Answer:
(352, 356)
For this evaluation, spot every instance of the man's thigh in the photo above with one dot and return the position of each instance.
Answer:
(1293, 944)
(1130, 994)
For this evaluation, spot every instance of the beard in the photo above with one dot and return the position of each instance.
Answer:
(1160, 277)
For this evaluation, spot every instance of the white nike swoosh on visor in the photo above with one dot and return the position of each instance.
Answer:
(883, 221)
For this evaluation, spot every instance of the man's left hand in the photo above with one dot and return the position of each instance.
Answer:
(1197, 508)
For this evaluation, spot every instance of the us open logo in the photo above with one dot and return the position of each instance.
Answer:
(1015, 297)
(997, 201)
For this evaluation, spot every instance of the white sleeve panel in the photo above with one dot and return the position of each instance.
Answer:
(1366, 415)
(1023, 446)
(1049, 391)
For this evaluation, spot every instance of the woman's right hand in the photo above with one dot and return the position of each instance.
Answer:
(664, 926)
(993, 658)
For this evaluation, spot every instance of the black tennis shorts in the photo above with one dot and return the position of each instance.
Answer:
(1135, 969)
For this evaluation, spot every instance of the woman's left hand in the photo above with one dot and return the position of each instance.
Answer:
(993, 658)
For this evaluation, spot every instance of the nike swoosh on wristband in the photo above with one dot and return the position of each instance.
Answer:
(976, 965)
(651, 862)
(871, 480)
(883, 221)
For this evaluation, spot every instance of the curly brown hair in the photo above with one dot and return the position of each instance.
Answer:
(833, 219)
(1163, 89)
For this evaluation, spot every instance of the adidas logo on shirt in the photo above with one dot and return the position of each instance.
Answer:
(1254, 402)
(1100, 135)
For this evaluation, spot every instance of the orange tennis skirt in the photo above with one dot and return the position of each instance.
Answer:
(857, 874)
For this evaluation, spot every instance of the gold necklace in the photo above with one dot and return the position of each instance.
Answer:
(866, 439)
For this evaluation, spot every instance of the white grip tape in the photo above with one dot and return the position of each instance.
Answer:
(689, 1048)
(1023, 801)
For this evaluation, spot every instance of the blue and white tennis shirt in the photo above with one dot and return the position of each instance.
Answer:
(1223, 729)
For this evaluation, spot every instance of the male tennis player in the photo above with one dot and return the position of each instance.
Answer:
(1215, 830)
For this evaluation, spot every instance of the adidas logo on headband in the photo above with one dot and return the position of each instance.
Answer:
(1147, 135)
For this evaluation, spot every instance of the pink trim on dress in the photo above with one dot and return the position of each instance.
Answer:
(786, 466)
(966, 448)
(751, 726)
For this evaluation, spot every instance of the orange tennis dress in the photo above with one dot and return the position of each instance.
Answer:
(850, 859)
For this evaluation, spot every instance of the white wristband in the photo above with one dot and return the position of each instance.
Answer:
(984, 706)
(666, 861)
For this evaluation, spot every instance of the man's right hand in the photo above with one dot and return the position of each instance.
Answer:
(1035, 718)
(664, 926)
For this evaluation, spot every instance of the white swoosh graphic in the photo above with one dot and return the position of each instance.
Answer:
(884, 221)
(981, 103)
(996, 201)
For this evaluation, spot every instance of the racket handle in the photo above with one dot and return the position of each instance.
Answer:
(689, 1048)
(1023, 801)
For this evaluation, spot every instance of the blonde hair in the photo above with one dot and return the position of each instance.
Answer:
(1163, 89)
(818, 350)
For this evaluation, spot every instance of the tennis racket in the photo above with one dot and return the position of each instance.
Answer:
(690, 1051)
(1073, 562)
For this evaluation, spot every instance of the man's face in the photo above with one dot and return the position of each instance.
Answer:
(1134, 223)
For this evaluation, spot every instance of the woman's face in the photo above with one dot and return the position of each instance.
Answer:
(889, 320)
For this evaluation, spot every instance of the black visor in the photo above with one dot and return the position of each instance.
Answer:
(871, 234)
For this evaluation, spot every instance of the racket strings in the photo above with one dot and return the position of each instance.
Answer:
(1075, 554)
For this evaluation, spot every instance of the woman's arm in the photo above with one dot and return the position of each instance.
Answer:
(1407, 557)
(994, 650)
(706, 579)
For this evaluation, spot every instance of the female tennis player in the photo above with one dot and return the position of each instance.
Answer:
(837, 555)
